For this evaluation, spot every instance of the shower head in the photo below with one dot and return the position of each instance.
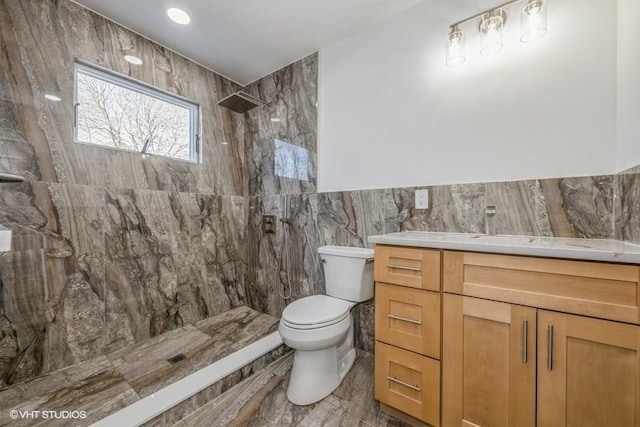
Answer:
(240, 102)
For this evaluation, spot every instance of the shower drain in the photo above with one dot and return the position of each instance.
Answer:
(177, 358)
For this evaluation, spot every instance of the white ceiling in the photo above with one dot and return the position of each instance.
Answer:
(245, 40)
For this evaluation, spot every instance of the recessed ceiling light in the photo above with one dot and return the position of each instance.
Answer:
(178, 16)
(275, 119)
(53, 98)
(133, 59)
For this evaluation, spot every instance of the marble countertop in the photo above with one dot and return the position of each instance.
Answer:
(553, 247)
(5, 239)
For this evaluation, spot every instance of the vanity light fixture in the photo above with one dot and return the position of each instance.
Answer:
(52, 98)
(133, 60)
(178, 16)
(491, 25)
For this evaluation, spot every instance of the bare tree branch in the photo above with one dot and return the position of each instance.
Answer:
(114, 116)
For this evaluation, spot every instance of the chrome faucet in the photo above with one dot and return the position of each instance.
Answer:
(490, 220)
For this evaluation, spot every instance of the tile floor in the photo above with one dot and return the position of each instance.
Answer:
(108, 383)
(261, 401)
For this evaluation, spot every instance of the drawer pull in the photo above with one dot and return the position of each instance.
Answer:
(404, 319)
(525, 338)
(403, 267)
(550, 347)
(411, 386)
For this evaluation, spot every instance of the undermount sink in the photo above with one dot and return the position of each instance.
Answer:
(5, 239)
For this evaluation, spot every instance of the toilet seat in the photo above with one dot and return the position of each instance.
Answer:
(315, 312)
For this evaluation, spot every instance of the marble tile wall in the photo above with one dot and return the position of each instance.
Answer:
(110, 248)
(627, 218)
(292, 96)
(95, 269)
(286, 261)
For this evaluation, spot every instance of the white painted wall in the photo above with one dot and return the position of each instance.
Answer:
(628, 84)
(391, 114)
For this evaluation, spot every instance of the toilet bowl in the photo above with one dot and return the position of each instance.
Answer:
(320, 327)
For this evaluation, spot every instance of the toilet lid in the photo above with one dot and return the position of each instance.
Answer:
(316, 310)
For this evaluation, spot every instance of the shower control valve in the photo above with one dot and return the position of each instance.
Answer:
(269, 224)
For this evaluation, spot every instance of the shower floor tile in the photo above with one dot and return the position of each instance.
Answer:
(261, 401)
(146, 367)
(108, 383)
(94, 386)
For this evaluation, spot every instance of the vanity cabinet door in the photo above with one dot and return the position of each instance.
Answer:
(588, 372)
(489, 365)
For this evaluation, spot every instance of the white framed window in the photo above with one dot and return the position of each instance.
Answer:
(119, 112)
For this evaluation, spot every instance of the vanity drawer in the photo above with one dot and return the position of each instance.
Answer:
(408, 318)
(604, 290)
(412, 267)
(408, 382)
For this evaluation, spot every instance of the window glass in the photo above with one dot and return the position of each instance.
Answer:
(122, 113)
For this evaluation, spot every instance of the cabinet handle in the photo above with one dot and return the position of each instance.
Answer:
(404, 319)
(411, 386)
(525, 338)
(403, 267)
(550, 348)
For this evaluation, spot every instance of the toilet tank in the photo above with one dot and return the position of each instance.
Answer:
(348, 272)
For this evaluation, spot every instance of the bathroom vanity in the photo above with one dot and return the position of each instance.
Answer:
(507, 331)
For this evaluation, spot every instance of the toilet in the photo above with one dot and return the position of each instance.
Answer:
(320, 327)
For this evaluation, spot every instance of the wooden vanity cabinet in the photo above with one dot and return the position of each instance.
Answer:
(509, 341)
(507, 364)
(407, 331)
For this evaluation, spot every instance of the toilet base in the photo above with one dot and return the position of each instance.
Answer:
(316, 374)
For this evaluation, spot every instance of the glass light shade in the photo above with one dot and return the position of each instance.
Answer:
(534, 21)
(491, 32)
(455, 48)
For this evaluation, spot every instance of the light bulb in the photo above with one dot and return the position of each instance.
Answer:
(491, 32)
(534, 21)
(455, 47)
